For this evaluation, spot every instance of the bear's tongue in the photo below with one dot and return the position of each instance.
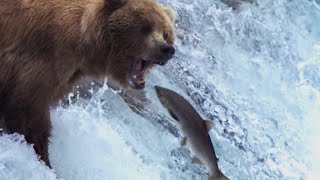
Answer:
(137, 73)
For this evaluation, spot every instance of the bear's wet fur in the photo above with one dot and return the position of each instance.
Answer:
(48, 45)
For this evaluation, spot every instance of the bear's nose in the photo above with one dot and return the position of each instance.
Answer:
(167, 50)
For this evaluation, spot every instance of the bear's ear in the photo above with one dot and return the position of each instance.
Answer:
(171, 13)
(115, 4)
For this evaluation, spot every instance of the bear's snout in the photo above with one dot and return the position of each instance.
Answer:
(167, 51)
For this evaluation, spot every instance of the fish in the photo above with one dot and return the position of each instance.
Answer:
(235, 4)
(194, 128)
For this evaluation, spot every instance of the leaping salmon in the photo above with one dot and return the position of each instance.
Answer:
(194, 128)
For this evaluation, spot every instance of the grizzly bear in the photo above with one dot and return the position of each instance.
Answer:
(47, 45)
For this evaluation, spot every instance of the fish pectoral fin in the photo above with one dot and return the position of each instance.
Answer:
(173, 115)
(196, 160)
(183, 142)
(209, 125)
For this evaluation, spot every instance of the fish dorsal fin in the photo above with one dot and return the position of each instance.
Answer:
(196, 160)
(209, 125)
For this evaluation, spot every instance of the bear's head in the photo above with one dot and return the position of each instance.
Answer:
(140, 34)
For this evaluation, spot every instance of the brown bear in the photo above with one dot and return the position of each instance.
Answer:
(47, 45)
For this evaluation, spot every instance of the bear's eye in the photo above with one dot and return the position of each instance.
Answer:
(146, 29)
(165, 35)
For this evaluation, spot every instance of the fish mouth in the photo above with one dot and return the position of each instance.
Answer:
(158, 91)
(138, 72)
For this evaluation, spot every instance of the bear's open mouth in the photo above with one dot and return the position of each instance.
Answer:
(138, 71)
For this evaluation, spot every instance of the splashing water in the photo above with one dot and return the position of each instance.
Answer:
(255, 72)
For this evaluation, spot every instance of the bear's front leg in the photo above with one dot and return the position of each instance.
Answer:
(34, 123)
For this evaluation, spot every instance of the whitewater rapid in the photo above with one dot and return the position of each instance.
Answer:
(254, 72)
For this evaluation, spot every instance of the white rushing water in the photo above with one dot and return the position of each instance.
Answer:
(254, 72)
